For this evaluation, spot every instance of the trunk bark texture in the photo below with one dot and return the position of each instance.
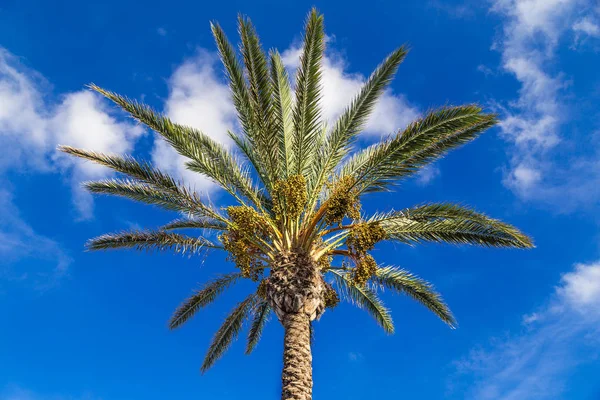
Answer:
(296, 377)
(296, 292)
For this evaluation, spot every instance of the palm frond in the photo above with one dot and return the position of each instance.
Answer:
(283, 109)
(140, 170)
(364, 298)
(261, 314)
(381, 165)
(450, 223)
(404, 282)
(237, 83)
(200, 223)
(351, 122)
(150, 240)
(201, 298)
(228, 332)
(178, 199)
(306, 115)
(264, 137)
(207, 156)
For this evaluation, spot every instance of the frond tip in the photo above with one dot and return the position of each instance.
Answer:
(364, 298)
(201, 298)
(228, 332)
(450, 223)
(150, 240)
(422, 291)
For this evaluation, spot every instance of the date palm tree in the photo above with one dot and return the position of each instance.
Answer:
(296, 227)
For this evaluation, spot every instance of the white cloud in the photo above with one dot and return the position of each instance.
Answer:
(581, 288)
(392, 112)
(427, 174)
(588, 26)
(533, 123)
(537, 362)
(200, 99)
(48, 262)
(32, 126)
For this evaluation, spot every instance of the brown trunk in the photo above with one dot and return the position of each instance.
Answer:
(296, 377)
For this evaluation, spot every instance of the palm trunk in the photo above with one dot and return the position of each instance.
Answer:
(296, 377)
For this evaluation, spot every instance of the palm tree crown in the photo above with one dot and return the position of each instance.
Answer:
(297, 228)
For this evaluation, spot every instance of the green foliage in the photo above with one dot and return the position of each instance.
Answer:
(261, 313)
(364, 298)
(282, 112)
(150, 240)
(380, 165)
(307, 113)
(309, 180)
(351, 122)
(228, 332)
(450, 223)
(201, 298)
(207, 157)
(422, 291)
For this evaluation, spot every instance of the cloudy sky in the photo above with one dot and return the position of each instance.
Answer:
(80, 325)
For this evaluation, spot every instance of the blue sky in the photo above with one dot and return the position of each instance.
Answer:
(80, 325)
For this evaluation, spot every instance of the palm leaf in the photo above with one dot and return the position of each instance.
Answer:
(306, 115)
(283, 108)
(404, 282)
(178, 199)
(150, 240)
(380, 165)
(201, 298)
(351, 122)
(203, 223)
(139, 170)
(450, 223)
(228, 332)
(264, 137)
(261, 314)
(364, 298)
(206, 156)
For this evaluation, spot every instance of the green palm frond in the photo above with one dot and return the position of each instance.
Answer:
(206, 156)
(307, 113)
(450, 223)
(264, 137)
(201, 298)
(364, 298)
(380, 165)
(261, 313)
(151, 240)
(351, 122)
(140, 170)
(178, 199)
(283, 112)
(200, 223)
(228, 332)
(422, 291)
(237, 82)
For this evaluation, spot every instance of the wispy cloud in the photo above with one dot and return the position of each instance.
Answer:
(47, 261)
(537, 362)
(533, 123)
(15, 392)
(32, 124)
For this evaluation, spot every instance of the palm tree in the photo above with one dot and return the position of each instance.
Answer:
(297, 229)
